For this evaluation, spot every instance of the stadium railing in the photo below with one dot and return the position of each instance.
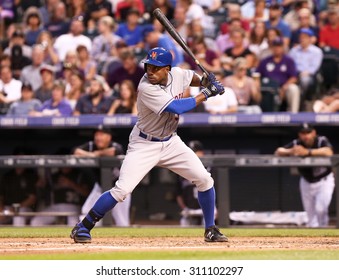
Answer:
(221, 163)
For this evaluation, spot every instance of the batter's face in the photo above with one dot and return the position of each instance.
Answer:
(157, 74)
(308, 137)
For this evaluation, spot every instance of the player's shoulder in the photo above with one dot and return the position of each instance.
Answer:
(178, 71)
(179, 74)
(144, 83)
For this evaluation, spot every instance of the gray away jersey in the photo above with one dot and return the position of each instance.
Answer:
(153, 99)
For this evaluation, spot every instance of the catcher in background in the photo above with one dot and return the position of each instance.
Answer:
(316, 183)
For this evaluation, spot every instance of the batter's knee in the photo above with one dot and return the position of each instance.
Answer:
(118, 193)
(204, 183)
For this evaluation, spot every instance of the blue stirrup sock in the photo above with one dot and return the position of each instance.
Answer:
(105, 203)
(207, 203)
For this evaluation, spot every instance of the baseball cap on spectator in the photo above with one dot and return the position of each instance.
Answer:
(27, 86)
(278, 42)
(307, 31)
(306, 128)
(47, 67)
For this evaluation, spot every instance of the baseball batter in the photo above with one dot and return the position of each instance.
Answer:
(154, 142)
(316, 183)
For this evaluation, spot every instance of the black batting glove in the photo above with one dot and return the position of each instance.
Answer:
(206, 80)
(213, 89)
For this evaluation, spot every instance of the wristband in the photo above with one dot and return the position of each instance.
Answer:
(206, 92)
(309, 152)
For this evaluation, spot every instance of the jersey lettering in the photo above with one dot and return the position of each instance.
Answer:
(179, 96)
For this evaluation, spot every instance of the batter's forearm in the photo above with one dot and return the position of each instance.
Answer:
(179, 106)
(196, 81)
(200, 98)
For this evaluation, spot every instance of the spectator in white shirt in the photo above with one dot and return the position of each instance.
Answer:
(210, 5)
(70, 41)
(255, 10)
(31, 73)
(308, 59)
(222, 104)
(10, 88)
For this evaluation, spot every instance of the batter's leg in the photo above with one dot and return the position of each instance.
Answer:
(120, 213)
(141, 157)
(183, 161)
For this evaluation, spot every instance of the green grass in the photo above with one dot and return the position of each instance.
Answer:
(184, 255)
(27, 232)
(285, 254)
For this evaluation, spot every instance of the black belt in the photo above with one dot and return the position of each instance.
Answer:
(154, 139)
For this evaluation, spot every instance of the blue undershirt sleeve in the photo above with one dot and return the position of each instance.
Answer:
(179, 106)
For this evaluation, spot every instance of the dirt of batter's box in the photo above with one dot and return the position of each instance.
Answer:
(63, 245)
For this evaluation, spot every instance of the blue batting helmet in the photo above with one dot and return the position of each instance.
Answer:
(159, 57)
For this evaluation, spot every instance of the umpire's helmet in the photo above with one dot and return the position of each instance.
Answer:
(159, 57)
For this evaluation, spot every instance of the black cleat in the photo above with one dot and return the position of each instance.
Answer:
(80, 234)
(213, 234)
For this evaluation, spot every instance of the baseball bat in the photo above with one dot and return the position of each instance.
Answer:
(176, 36)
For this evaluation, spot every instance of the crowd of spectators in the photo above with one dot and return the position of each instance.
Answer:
(73, 57)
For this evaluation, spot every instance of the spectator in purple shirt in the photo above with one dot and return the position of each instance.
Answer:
(282, 69)
(207, 57)
(57, 106)
(129, 70)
